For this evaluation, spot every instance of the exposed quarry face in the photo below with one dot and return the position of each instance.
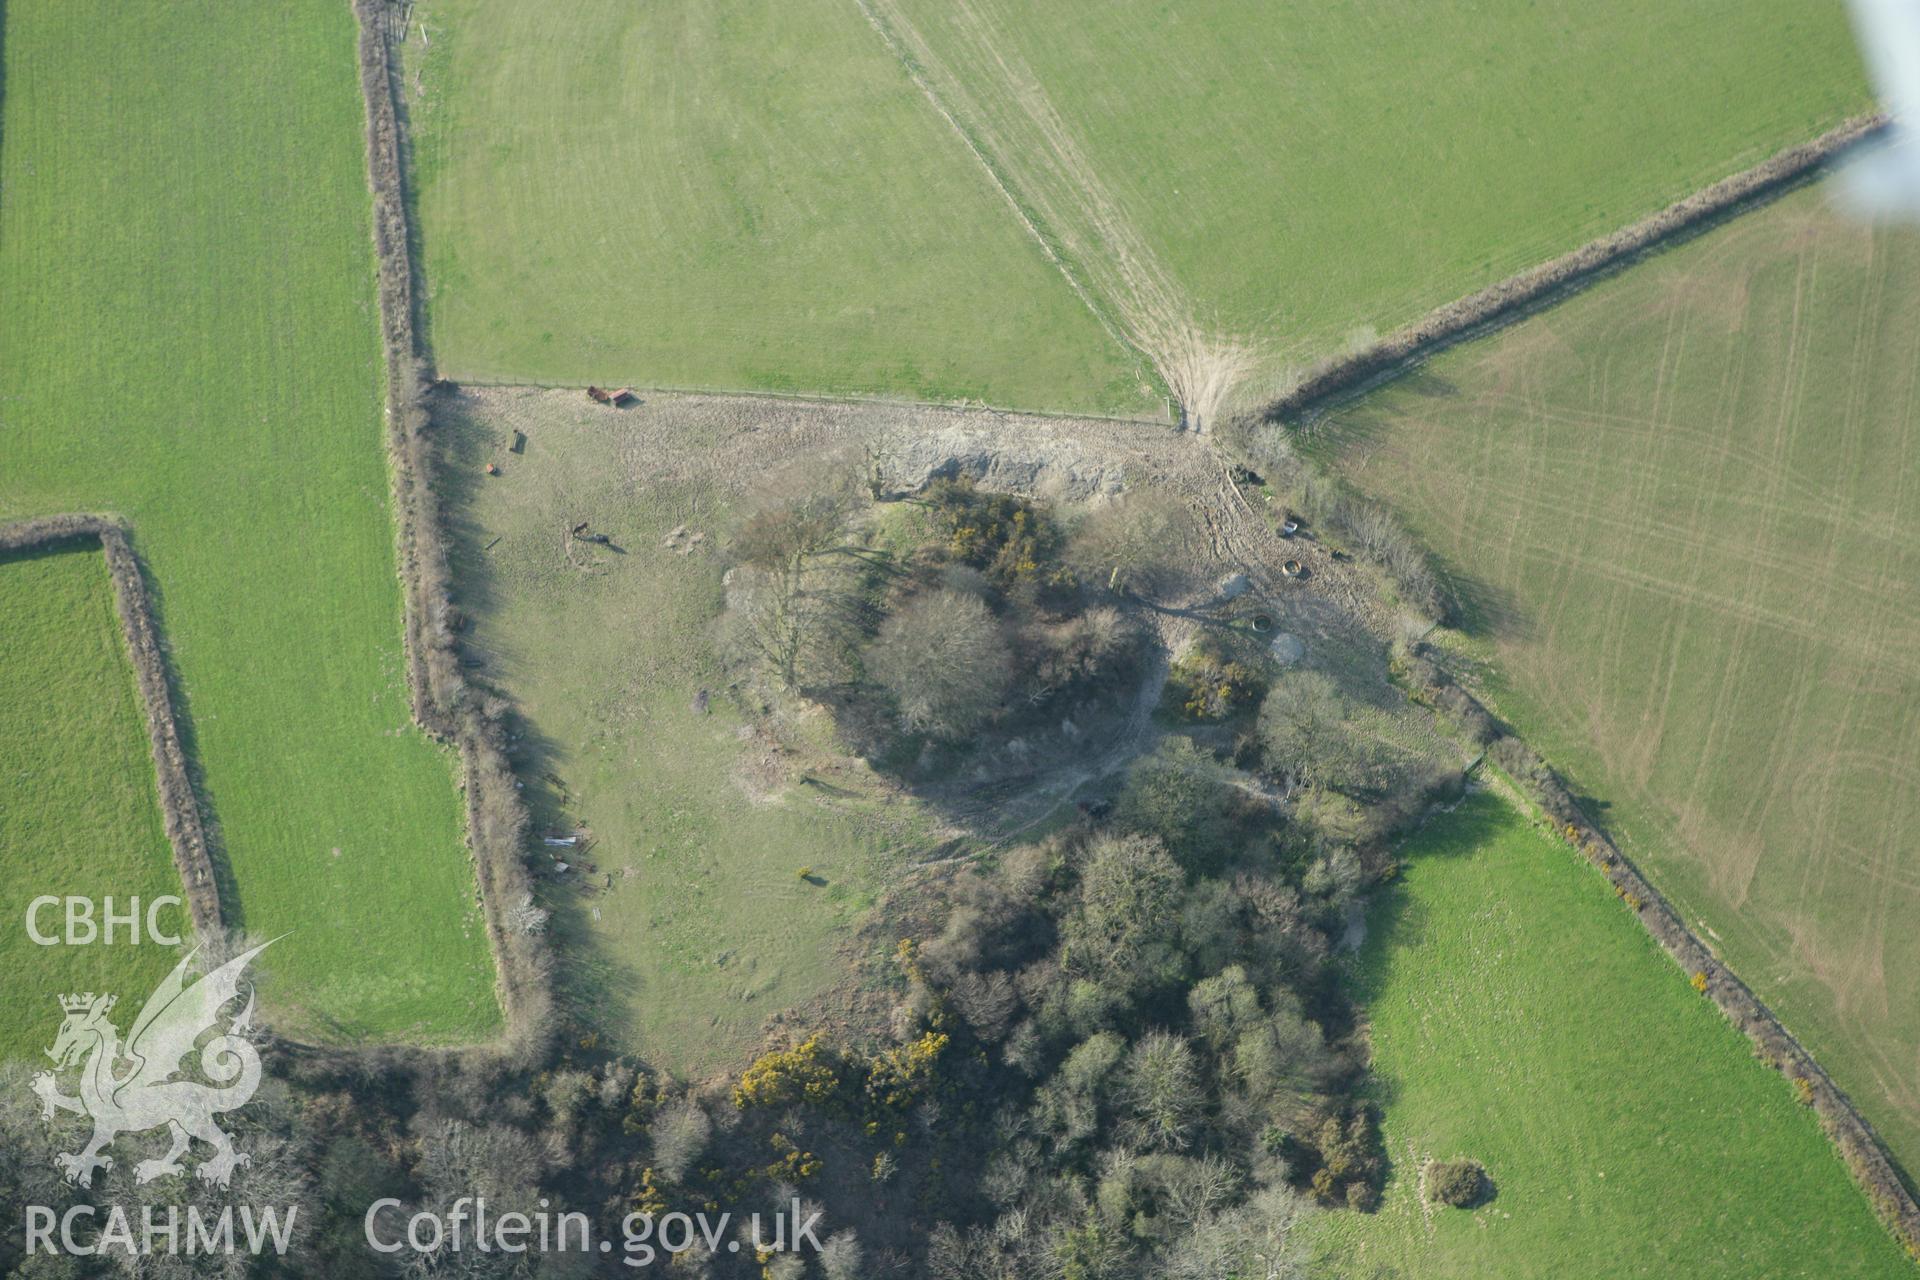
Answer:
(1041, 465)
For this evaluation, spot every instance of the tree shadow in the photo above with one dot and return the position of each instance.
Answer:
(826, 788)
(1397, 923)
(226, 887)
(409, 199)
(464, 444)
(1356, 429)
(1380, 369)
(233, 912)
(80, 543)
(1424, 382)
(594, 986)
(1482, 609)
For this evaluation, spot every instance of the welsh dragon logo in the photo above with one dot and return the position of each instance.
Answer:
(134, 1088)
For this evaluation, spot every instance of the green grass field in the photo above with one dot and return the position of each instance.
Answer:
(1522, 1017)
(835, 195)
(736, 194)
(706, 928)
(188, 337)
(78, 811)
(1686, 508)
(1288, 180)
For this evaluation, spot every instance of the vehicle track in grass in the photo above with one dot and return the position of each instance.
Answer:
(1695, 487)
(1035, 159)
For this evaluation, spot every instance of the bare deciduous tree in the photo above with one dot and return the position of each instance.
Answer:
(798, 602)
(1306, 726)
(680, 1131)
(1162, 1086)
(841, 1255)
(1130, 887)
(1078, 653)
(526, 917)
(1254, 1240)
(943, 657)
(1193, 1189)
(1126, 545)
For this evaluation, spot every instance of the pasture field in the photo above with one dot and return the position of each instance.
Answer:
(1685, 509)
(849, 196)
(78, 809)
(1520, 1016)
(188, 338)
(1249, 189)
(685, 923)
(740, 194)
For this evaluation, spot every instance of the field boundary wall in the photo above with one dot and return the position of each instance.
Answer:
(1520, 294)
(1866, 1157)
(443, 702)
(1166, 418)
(179, 806)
